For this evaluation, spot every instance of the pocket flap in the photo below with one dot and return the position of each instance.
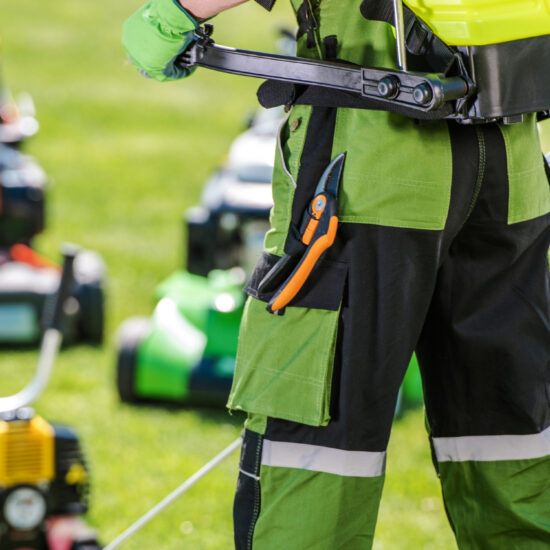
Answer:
(322, 290)
(285, 362)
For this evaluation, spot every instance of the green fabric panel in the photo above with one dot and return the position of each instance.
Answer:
(314, 510)
(529, 190)
(284, 363)
(499, 505)
(256, 423)
(398, 173)
(155, 34)
(368, 43)
(400, 179)
(285, 175)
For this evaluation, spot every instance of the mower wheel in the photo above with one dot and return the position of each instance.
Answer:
(130, 335)
(88, 545)
(90, 275)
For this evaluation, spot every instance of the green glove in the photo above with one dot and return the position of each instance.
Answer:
(155, 35)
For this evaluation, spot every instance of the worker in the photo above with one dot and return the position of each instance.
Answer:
(441, 247)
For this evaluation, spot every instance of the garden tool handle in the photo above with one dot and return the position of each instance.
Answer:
(290, 288)
(317, 233)
(67, 274)
(51, 342)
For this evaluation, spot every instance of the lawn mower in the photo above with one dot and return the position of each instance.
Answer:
(28, 280)
(43, 473)
(185, 352)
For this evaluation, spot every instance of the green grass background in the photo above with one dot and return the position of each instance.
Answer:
(126, 156)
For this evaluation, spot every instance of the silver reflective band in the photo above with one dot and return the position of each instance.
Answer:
(492, 447)
(323, 459)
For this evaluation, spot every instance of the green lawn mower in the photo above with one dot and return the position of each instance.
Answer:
(28, 280)
(185, 352)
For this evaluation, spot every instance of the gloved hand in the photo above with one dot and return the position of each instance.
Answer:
(155, 35)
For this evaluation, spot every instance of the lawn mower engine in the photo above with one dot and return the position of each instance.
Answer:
(28, 283)
(28, 280)
(43, 486)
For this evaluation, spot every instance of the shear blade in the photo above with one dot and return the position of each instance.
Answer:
(330, 180)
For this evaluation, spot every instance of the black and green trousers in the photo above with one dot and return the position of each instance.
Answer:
(441, 248)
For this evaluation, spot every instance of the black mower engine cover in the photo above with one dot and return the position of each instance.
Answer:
(226, 230)
(27, 293)
(22, 185)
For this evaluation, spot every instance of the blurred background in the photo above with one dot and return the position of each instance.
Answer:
(125, 157)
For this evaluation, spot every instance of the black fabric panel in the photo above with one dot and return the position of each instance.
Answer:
(331, 47)
(484, 351)
(546, 168)
(246, 506)
(377, 10)
(273, 93)
(492, 202)
(306, 23)
(322, 290)
(267, 4)
(512, 77)
(391, 276)
(316, 156)
(485, 348)
(474, 299)
(465, 150)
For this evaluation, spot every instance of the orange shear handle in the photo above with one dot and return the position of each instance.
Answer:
(302, 271)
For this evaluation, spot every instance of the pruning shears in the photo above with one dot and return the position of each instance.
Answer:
(317, 232)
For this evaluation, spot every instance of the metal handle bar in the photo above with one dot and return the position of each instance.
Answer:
(392, 89)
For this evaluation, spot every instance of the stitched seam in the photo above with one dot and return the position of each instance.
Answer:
(286, 169)
(480, 175)
(256, 510)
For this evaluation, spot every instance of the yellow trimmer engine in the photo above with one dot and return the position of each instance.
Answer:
(42, 477)
(26, 452)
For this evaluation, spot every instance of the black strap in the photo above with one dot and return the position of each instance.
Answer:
(306, 23)
(267, 4)
(377, 10)
(273, 93)
(428, 50)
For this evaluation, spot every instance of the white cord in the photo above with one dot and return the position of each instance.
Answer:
(185, 486)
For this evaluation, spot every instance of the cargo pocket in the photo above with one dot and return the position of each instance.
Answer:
(285, 362)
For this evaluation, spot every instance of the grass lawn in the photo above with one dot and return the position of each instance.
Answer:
(126, 157)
